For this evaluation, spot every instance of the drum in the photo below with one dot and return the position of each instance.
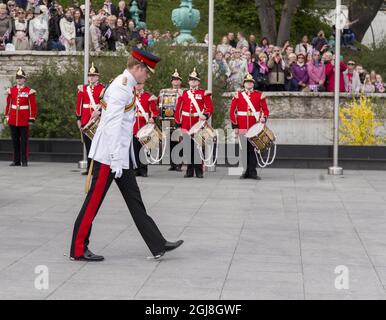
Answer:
(91, 127)
(202, 132)
(260, 137)
(150, 136)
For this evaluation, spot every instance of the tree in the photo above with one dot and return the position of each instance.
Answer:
(363, 12)
(289, 10)
(267, 17)
(266, 10)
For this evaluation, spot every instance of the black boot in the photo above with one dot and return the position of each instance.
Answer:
(244, 176)
(88, 256)
(169, 246)
(15, 164)
(189, 172)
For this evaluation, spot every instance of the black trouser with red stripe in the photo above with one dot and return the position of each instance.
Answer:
(248, 158)
(251, 160)
(127, 184)
(139, 154)
(173, 165)
(87, 143)
(194, 162)
(20, 143)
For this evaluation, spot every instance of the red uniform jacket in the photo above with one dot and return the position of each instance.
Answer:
(241, 115)
(330, 77)
(149, 104)
(186, 114)
(21, 106)
(84, 108)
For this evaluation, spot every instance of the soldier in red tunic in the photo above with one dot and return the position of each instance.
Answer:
(194, 105)
(244, 117)
(146, 112)
(87, 104)
(21, 109)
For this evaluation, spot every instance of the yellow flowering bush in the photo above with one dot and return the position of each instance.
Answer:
(358, 123)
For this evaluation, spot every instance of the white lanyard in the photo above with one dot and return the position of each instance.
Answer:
(249, 102)
(194, 101)
(92, 101)
(139, 105)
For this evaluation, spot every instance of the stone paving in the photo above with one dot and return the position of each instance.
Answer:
(279, 238)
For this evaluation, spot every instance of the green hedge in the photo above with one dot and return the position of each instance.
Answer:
(57, 87)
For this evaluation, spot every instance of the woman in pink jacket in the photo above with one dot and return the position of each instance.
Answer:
(316, 72)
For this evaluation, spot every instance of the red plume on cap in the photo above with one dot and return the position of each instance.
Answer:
(150, 60)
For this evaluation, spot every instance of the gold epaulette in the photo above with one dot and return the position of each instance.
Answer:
(9, 91)
(263, 96)
(208, 93)
(236, 95)
(31, 92)
(80, 88)
(124, 81)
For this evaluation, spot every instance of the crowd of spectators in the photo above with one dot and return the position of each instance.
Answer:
(46, 25)
(306, 66)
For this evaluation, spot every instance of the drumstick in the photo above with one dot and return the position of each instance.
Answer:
(81, 135)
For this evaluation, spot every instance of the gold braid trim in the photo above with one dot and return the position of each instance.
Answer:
(130, 105)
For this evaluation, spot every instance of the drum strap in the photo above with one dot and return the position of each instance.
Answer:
(194, 101)
(250, 105)
(145, 114)
(92, 101)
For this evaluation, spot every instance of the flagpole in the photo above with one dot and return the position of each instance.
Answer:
(210, 62)
(335, 169)
(83, 163)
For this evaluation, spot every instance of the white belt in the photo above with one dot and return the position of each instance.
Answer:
(187, 114)
(87, 106)
(249, 113)
(20, 107)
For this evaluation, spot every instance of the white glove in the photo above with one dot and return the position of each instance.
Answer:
(116, 166)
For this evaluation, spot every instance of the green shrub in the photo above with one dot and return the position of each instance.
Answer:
(57, 87)
(370, 59)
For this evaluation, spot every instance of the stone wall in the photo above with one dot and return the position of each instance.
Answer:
(306, 118)
(296, 118)
(31, 62)
(310, 105)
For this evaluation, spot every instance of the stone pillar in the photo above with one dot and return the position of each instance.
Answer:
(135, 11)
(185, 18)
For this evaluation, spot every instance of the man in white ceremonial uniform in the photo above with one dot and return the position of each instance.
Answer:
(113, 156)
